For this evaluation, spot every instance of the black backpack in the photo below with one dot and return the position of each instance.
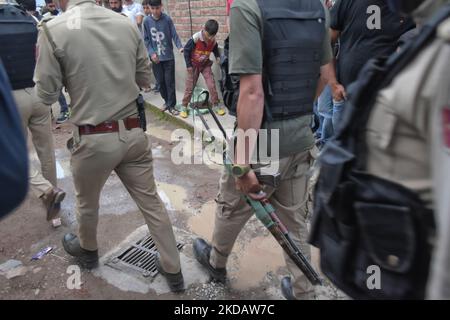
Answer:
(14, 153)
(361, 220)
(229, 84)
(18, 36)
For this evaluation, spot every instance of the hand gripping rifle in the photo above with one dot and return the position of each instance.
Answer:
(265, 212)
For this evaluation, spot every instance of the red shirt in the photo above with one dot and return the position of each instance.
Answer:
(202, 49)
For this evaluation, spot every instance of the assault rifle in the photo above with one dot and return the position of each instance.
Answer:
(265, 213)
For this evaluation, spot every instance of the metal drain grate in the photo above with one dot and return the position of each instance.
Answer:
(139, 257)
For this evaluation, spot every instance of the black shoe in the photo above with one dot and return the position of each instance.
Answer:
(86, 258)
(286, 289)
(202, 252)
(174, 280)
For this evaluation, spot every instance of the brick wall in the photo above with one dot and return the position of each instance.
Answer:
(201, 11)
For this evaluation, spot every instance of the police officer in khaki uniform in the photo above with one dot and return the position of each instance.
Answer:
(76, 50)
(408, 133)
(35, 118)
(296, 141)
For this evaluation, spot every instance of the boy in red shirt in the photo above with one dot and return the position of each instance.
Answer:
(196, 55)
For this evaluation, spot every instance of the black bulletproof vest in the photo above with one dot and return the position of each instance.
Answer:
(18, 35)
(293, 35)
(362, 222)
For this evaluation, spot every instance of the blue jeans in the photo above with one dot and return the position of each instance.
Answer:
(325, 110)
(63, 103)
(316, 122)
(338, 109)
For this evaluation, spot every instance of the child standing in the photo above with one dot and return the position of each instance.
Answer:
(146, 7)
(159, 32)
(196, 55)
(148, 13)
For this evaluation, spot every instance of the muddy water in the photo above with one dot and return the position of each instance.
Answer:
(172, 195)
(255, 260)
(202, 224)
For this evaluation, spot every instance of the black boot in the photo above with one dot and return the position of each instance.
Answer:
(86, 258)
(174, 280)
(202, 252)
(286, 289)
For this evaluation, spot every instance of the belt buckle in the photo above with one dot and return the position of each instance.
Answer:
(108, 125)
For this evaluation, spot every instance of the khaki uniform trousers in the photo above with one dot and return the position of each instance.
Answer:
(128, 153)
(36, 117)
(290, 203)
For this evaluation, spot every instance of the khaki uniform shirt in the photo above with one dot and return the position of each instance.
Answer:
(103, 63)
(246, 57)
(439, 281)
(409, 143)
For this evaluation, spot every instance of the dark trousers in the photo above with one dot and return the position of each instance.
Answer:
(165, 76)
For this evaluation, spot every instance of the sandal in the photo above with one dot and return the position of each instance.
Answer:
(173, 111)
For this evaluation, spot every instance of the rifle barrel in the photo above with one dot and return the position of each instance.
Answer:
(295, 254)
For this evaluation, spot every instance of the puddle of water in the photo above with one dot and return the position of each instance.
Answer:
(256, 259)
(202, 224)
(157, 153)
(59, 171)
(173, 196)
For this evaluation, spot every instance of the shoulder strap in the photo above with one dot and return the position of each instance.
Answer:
(59, 54)
(35, 19)
(49, 36)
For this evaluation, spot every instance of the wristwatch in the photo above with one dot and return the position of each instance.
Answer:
(239, 171)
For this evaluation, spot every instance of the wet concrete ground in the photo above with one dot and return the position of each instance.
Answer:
(255, 267)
